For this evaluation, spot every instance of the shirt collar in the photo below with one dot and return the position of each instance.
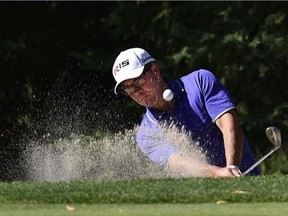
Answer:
(176, 87)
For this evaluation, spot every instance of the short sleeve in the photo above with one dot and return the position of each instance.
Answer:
(216, 97)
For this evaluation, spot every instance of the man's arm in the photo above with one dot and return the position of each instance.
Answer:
(233, 137)
(186, 166)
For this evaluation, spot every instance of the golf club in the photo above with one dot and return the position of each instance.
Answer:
(274, 136)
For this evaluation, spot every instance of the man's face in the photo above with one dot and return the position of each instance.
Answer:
(145, 89)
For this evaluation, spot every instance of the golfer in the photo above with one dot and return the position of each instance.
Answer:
(199, 104)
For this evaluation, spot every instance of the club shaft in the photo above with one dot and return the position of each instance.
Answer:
(259, 161)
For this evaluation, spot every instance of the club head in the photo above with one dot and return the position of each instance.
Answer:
(274, 136)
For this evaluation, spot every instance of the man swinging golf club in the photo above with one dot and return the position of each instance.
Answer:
(197, 102)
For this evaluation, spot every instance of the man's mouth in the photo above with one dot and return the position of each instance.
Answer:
(144, 98)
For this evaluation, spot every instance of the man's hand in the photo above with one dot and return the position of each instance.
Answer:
(235, 170)
(224, 172)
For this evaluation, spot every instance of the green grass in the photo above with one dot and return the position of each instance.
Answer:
(266, 195)
(203, 209)
(195, 190)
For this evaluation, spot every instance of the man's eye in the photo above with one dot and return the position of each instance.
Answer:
(138, 82)
(129, 88)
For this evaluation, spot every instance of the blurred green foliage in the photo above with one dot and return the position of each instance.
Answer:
(65, 50)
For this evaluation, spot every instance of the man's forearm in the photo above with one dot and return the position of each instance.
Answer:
(233, 142)
(186, 166)
(233, 137)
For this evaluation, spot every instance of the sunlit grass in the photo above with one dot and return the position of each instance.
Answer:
(204, 209)
(146, 191)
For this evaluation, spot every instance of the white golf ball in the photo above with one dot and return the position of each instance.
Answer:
(168, 95)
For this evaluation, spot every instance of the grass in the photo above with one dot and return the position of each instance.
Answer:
(203, 209)
(195, 190)
(265, 195)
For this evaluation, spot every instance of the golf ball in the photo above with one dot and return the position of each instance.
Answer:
(168, 95)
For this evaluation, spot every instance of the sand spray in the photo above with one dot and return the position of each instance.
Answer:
(59, 149)
(112, 156)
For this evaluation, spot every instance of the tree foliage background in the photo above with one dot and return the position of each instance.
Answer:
(56, 60)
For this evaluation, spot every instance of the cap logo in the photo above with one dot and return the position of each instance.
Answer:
(125, 63)
(121, 65)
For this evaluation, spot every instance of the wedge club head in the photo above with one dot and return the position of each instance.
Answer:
(274, 136)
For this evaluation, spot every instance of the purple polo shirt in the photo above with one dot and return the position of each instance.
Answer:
(200, 99)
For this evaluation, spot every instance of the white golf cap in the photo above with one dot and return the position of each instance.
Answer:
(130, 64)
